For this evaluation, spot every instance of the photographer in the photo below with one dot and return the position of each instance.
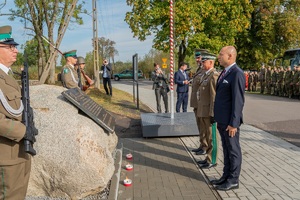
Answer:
(161, 88)
(106, 74)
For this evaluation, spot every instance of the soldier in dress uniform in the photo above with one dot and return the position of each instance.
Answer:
(205, 111)
(69, 75)
(15, 163)
(193, 101)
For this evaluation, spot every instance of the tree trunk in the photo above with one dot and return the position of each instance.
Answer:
(181, 53)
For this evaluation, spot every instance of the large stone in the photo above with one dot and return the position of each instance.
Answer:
(74, 154)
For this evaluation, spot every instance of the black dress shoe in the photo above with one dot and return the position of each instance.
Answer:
(207, 165)
(218, 181)
(201, 152)
(196, 150)
(201, 162)
(227, 186)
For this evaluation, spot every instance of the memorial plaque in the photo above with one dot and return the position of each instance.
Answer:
(91, 108)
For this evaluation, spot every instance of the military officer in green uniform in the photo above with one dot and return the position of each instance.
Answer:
(205, 111)
(69, 75)
(15, 163)
(193, 100)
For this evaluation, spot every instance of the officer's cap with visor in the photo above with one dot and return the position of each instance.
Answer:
(208, 56)
(198, 52)
(71, 53)
(5, 36)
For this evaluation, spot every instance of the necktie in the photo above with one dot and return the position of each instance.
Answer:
(184, 74)
(222, 75)
(10, 73)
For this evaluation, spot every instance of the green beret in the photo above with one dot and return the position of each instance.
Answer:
(70, 54)
(5, 35)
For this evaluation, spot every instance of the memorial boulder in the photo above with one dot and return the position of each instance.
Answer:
(74, 154)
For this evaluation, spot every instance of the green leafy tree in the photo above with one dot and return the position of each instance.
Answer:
(274, 27)
(206, 24)
(47, 17)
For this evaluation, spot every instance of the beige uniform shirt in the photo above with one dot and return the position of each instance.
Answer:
(12, 130)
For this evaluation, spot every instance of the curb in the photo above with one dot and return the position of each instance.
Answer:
(114, 185)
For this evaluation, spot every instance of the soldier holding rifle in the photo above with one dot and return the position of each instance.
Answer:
(15, 159)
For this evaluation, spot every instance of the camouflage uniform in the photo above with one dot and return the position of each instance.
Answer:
(295, 81)
(262, 79)
(255, 80)
(268, 80)
(288, 78)
(280, 81)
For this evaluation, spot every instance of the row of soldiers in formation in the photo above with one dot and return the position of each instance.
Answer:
(279, 81)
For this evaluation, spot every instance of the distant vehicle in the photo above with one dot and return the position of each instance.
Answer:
(291, 58)
(127, 74)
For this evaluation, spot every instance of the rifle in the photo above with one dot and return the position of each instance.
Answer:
(27, 116)
(89, 81)
(52, 45)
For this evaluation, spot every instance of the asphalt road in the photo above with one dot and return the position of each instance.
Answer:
(279, 116)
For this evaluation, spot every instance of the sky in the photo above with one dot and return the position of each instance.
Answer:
(111, 25)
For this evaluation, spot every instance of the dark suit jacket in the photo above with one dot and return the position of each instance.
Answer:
(229, 101)
(108, 70)
(179, 78)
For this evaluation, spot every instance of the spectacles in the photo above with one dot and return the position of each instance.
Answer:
(11, 47)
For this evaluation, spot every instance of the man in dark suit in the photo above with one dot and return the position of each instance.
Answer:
(229, 103)
(106, 74)
(182, 81)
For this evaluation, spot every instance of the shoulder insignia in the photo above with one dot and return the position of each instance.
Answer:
(66, 70)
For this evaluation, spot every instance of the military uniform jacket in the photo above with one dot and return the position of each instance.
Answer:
(262, 74)
(296, 77)
(12, 130)
(288, 77)
(207, 93)
(195, 86)
(69, 76)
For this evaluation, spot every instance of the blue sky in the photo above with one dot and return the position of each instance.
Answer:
(111, 25)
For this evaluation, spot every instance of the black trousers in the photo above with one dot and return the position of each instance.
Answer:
(232, 154)
(161, 92)
(107, 82)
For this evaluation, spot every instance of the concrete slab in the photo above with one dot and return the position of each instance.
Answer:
(162, 125)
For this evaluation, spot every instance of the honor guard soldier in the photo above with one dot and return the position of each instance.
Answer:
(15, 163)
(69, 75)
